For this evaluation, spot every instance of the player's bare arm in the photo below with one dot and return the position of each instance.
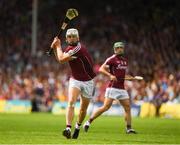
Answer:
(104, 69)
(61, 56)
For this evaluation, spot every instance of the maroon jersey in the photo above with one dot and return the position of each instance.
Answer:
(82, 66)
(117, 66)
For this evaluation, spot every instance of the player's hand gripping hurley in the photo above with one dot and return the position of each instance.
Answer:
(70, 14)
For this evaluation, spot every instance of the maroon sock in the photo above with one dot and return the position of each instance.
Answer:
(68, 126)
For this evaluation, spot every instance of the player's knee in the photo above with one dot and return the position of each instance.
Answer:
(71, 104)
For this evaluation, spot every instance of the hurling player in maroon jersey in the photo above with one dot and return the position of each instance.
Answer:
(115, 68)
(81, 81)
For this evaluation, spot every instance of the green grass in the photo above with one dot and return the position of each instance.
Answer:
(47, 129)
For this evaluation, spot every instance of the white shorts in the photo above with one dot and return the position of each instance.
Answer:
(86, 87)
(115, 93)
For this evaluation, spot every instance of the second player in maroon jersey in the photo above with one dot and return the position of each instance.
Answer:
(115, 68)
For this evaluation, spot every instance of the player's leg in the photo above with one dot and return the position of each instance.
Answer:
(107, 104)
(127, 108)
(82, 114)
(73, 95)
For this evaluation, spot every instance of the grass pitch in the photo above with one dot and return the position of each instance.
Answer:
(39, 128)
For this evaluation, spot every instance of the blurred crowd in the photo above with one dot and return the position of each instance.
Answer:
(150, 31)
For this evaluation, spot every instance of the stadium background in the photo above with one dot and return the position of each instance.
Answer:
(32, 81)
